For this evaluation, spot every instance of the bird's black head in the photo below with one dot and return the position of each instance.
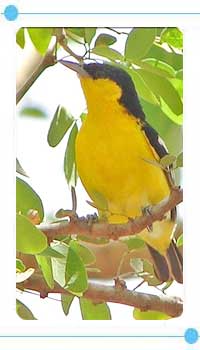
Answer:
(126, 95)
(129, 98)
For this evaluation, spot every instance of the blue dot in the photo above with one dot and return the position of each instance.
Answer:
(191, 335)
(11, 12)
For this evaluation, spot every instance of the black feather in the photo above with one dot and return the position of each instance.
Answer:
(129, 98)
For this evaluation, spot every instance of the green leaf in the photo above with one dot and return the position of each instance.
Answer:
(137, 265)
(89, 34)
(178, 85)
(169, 131)
(58, 267)
(83, 116)
(66, 301)
(173, 37)
(159, 67)
(77, 31)
(163, 87)
(92, 311)
(75, 274)
(20, 38)
(29, 239)
(59, 263)
(75, 35)
(23, 311)
(149, 274)
(19, 169)
(179, 160)
(107, 52)
(85, 254)
(51, 253)
(173, 59)
(167, 160)
(23, 276)
(179, 74)
(61, 122)
(60, 248)
(35, 112)
(105, 40)
(45, 266)
(142, 88)
(179, 242)
(134, 243)
(154, 163)
(20, 265)
(139, 42)
(145, 270)
(27, 198)
(40, 38)
(178, 119)
(149, 315)
(69, 159)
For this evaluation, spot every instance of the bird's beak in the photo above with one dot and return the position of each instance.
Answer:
(77, 67)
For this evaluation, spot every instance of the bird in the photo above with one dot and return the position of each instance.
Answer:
(116, 155)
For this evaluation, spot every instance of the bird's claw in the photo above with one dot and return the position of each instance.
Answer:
(146, 211)
(92, 218)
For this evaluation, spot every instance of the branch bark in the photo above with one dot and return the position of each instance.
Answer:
(171, 306)
(113, 231)
(47, 61)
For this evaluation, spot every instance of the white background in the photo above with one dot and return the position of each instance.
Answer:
(10, 324)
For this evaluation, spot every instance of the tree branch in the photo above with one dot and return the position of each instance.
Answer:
(62, 40)
(171, 306)
(113, 231)
(47, 61)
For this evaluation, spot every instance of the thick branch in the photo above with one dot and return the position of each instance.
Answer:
(113, 231)
(47, 61)
(102, 293)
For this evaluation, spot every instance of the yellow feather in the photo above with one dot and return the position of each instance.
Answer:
(111, 149)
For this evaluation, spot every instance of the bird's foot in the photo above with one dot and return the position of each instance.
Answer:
(146, 211)
(92, 218)
(119, 283)
(89, 219)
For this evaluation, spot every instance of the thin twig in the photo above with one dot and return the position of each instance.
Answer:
(62, 40)
(116, 31)
(74, 199)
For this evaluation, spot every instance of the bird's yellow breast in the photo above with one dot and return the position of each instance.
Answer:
(112, 154)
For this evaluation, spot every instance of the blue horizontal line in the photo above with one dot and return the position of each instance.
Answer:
(109, 13)
(91, 336)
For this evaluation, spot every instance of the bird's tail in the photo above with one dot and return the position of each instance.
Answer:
(168, 266)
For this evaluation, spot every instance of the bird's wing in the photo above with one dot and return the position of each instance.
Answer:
(172, 263)
(158, 146)
(155, 140)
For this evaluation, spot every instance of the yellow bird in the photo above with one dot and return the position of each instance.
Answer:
(115, 148)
